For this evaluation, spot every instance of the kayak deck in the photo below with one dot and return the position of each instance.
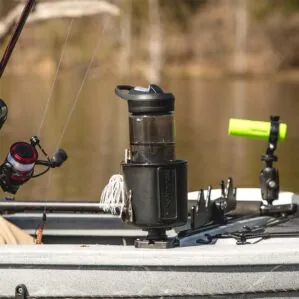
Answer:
(91, 255)
(99, 228)
(91, 270)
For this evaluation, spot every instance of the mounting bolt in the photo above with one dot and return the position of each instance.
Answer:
(272, 184)
(20, 290)
(34, 140)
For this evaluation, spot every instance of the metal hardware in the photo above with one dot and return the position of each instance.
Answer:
(21, 292)
(269, 176)
(206, 210)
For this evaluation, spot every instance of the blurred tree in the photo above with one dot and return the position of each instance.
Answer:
(291, 5)
(177, 12)
(241, 36)
(176, 32)
(6, 6)
(125, 37)
(155, 42)
(181, 11)
(263, 9)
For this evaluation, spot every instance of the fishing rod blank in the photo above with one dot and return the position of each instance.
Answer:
(7, 207)
(11, 45)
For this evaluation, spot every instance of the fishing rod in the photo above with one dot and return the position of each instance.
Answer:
(11, 207)
(14, 39)
(8, 52)
(19, 164)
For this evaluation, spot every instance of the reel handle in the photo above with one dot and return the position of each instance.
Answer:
(59, 158)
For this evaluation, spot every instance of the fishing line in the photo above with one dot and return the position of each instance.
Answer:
(55, 76)
(40, 228)
(75, 102)
(54, 82)
(39, 233)
(79, 90)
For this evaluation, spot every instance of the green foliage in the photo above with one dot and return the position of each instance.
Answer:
(179, 11)
(176, 12)
(291, 6)
(261, 9)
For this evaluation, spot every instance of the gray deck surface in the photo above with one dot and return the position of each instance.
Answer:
(113, 270)
(106, 270)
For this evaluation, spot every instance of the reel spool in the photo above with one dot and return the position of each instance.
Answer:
(19, 165)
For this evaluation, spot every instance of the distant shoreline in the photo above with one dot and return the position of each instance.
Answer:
(47, 67)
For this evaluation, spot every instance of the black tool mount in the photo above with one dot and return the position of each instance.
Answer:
(269, 175)
(207, 211)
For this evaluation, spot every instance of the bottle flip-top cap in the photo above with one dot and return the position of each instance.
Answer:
(254, 129)
(146, 100)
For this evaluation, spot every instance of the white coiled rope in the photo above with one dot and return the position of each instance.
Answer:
(113, 195)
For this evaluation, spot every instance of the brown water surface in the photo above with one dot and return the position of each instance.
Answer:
(97, 133)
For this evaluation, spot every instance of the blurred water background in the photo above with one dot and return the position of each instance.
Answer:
(222, 59)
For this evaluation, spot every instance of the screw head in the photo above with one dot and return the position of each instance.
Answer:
(272, 184)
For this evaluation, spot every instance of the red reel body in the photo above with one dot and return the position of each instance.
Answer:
(22, 157)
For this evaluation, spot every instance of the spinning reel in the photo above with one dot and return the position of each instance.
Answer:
(19, 165)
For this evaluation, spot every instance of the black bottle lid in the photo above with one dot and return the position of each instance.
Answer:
(149, 100)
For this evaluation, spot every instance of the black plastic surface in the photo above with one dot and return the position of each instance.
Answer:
(159, 194)
(153, 100)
